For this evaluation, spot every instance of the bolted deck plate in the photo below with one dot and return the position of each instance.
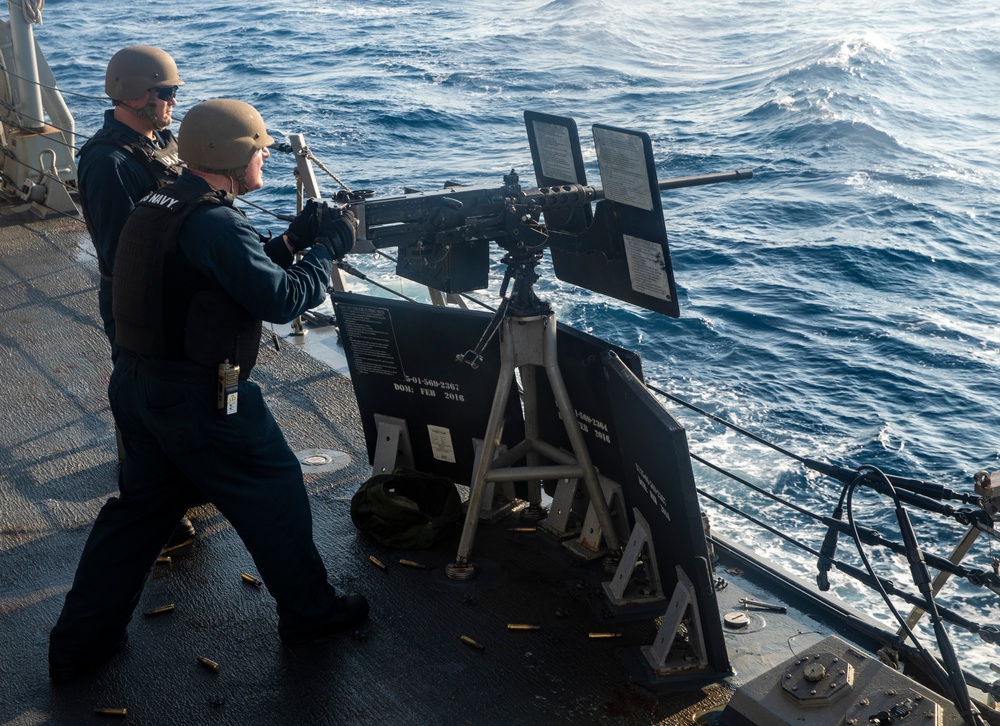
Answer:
(322, 460)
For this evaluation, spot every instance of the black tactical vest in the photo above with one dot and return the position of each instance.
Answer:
(164, 308)
(164, 165)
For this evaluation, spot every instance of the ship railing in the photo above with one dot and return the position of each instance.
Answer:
(755, 503)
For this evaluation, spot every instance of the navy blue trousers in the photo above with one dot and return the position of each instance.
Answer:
(107, 316)
(179, 452)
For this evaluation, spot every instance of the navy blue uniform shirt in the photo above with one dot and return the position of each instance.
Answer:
(111, 182)
(220, 242)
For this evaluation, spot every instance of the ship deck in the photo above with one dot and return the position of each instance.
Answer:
(407, 665)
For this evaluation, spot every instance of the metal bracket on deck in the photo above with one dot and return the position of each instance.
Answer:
(684, 602)
(36, 172)
(393, 447)
(590, 544)
(639, 550)
(560, 522)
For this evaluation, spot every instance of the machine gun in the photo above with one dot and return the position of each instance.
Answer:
(443, 235)
(620, 249)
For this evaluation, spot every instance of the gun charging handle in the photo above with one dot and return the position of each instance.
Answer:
(354, 202)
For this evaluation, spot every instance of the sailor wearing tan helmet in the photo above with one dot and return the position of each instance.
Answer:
(131, 155)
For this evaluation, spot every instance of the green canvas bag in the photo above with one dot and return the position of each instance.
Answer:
(407, 509)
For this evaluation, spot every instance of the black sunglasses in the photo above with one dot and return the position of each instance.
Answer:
(167, 93)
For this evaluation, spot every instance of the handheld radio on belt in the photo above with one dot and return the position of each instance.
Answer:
(229, 381)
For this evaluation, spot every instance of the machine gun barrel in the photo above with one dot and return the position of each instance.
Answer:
(697, 181)
(702, 179)
(568, 194)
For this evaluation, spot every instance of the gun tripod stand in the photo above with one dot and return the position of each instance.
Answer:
(527, 341)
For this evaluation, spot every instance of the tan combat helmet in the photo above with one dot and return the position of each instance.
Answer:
(221, 137)
(134, 70)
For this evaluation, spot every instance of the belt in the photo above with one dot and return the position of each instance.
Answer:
(165, 372)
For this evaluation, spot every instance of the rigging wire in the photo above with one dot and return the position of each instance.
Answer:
(951, 680)
(51, 88)
(729, 424)
(351, 270)
(758, 489)
(870, 536)
(851, 571)
(282, 217)
(312, 158)
(307, 152)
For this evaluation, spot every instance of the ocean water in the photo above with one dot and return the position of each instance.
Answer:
(842, 304)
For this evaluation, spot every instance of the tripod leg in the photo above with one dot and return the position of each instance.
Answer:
(530, 402)
(568, 414)
(461, 568)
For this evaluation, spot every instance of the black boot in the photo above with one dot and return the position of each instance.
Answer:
(64, 670)
(349, 611)
(181, 539)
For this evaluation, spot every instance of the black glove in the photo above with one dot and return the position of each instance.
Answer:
(338, 230)
(301, 233)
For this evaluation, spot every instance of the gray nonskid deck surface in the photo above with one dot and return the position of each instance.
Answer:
(406, 666)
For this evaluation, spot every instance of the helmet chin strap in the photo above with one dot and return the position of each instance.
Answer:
(237, 177)
(148, 111)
